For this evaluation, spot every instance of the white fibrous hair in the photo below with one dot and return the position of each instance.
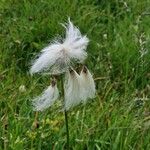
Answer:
(72, 90)
(58, 57)
(75, 43)
(46, 99)
(88, 85)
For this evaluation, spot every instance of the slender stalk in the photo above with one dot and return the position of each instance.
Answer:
(65, 114)
(67, 128)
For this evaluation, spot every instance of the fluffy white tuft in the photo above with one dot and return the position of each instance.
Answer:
(78, 88)
(72, 89)
(51, 59)
(58, 57)
(75, 42)
(46, 99)
(88, 85)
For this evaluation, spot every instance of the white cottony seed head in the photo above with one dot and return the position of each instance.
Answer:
(78, 88)
(88, 84)
(58, 57)
(46, 99)
(72, 89)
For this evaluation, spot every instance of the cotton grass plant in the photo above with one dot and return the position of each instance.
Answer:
(59, 58)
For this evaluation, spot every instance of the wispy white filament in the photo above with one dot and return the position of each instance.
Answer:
(87, 84)
(72, 90)
(57, 57)
(46, 99)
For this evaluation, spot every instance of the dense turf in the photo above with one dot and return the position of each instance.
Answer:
(119, 117)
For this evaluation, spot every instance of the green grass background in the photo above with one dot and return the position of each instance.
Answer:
(118, 55)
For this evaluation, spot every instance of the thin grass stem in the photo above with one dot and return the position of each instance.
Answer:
(65, 114)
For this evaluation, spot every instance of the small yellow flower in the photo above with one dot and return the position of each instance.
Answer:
(31, 134)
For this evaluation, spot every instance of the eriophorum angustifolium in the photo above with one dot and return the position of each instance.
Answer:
(60, 58)
(78, 88)
(47, 98)
(118, 58)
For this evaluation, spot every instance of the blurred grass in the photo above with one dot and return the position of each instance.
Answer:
(118, 118)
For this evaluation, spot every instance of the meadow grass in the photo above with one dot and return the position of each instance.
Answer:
(119, 117)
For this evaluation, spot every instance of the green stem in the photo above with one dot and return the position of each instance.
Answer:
(67, 128)
(65, 113)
